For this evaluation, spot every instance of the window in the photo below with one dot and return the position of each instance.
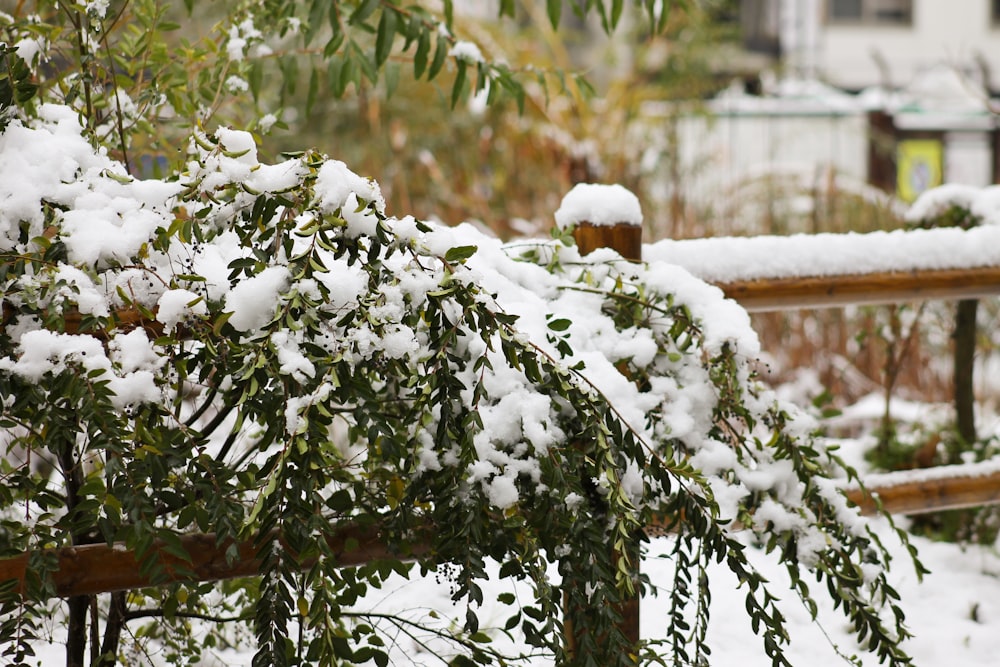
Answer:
(875, 12)
(995, 11)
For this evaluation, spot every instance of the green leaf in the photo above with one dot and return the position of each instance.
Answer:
(460, 253)
(459, 84)
(363, 62)
(616, 12)
(560, 325)
(334, 44)
(170, 543)
(334, 76)
(661, 23)
(510, 569)
(420, 57)
(363, 11)
(507, 8)
(289, 66)
(554, 10)
(220, 322)
(317, 12)
(440, 53)
(255, 77)
(449, 13)
(391, 78)
(385, 36)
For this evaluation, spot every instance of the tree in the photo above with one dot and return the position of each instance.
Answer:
(257, 353)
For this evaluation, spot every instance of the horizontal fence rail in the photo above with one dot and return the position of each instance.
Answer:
(100, 568)
(760, 295)
(929, 490)
(771, 294)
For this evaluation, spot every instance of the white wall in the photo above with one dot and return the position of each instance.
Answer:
(949, 31)
(720, 156)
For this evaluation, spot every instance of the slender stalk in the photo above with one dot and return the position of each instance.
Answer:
(78, 606)
(117, 617)
(965, 352)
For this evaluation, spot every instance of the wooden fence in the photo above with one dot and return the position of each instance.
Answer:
(100, 568)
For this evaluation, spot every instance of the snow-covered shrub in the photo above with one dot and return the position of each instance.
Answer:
(257, 354)
(305, 360)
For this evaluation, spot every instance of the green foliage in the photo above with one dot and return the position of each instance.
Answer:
(953, 215)
(16, 86)
(141, 72)
(306, 363)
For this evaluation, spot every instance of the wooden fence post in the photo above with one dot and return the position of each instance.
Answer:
(608, 216)
(623, 237)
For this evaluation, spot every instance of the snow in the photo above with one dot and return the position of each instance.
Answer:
(338, 183)
(599, 204)
(985, 468)
(730, 259)
(133, 351)
(79, 288)
(292, 361)
(981, 202)
(466, 51)
(253, 301)
(44, 351)
(96, 191)
(941, 88)
(178, 305)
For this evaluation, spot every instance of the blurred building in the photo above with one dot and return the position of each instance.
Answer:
(856, 44)
(895, 94)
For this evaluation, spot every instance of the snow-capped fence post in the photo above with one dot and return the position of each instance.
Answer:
(603, 216)
(608, 216)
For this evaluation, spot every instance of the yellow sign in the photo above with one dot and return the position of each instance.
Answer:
(918, 167)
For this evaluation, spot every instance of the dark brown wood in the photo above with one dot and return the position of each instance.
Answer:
(937, 489)
(964, 355)
(125, 319)
(872, 288)
(882, 151)
(624, 238)
(99, 568)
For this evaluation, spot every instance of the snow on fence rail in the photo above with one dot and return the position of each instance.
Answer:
(826, 270)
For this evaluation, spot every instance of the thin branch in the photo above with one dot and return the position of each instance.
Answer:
(138, 614)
